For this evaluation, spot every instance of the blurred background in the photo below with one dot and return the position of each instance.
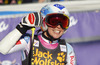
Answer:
(7, 2)
(83, 33)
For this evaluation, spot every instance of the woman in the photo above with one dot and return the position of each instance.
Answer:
(47, 48)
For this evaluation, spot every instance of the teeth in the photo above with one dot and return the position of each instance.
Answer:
(56, 31)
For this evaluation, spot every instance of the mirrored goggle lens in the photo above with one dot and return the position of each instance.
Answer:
(55, 19)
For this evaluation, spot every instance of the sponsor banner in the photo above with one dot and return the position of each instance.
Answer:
(83, 25)
(7, 25)
(87, 53)
(9, 20)
(11, 59)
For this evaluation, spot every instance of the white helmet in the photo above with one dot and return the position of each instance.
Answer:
(50, 9)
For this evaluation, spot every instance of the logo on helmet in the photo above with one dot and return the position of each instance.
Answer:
(59, 6)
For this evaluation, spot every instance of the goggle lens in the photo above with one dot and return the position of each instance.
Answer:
(56, 19)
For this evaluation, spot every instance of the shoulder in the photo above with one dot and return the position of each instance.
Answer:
(69, 48)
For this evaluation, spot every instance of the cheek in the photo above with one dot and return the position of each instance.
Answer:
(50, 30)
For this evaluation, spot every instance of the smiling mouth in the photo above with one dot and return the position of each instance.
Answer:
(56, 31)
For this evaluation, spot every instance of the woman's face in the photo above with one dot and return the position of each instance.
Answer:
(56, 32)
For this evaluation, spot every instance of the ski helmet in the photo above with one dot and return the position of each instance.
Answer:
(50, 9)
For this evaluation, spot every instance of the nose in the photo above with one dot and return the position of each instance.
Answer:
(59, 26)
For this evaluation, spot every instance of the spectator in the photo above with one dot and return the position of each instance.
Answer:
(13, 2)
(40, 1)
(19, 1)
(6, 2)
(1, 2)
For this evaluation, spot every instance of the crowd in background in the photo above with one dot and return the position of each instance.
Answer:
(6, 2)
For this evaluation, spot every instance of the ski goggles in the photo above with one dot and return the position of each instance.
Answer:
(57, 19)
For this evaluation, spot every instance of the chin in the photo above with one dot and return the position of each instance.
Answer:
(56, 37)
